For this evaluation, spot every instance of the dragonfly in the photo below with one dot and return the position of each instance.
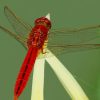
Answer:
(40, 38)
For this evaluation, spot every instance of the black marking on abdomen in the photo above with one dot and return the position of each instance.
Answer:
(23, 74)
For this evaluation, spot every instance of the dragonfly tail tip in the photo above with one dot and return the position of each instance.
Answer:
(15, 97)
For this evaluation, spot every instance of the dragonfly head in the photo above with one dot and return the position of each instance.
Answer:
(43, 21)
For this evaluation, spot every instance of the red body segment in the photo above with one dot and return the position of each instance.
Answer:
(25, 71)
(35, 43)
(37, 36)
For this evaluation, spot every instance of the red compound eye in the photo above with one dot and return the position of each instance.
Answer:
(43, 20)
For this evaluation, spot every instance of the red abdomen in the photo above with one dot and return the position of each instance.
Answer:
(25, 71)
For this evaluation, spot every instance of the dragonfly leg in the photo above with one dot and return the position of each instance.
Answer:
(44, 51)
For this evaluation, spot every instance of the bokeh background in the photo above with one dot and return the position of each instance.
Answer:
(85, 66)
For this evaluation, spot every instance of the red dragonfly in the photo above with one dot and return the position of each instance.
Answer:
(34, 39)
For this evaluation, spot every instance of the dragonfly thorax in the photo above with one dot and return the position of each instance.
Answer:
(37, 36)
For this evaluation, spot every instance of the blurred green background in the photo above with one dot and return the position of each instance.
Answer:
(85, 66)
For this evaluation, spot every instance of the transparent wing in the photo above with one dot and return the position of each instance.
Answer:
(73, 40)
(16, 36)
(74, 36)
(59, 40)
(59, 49)
(20, 27)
